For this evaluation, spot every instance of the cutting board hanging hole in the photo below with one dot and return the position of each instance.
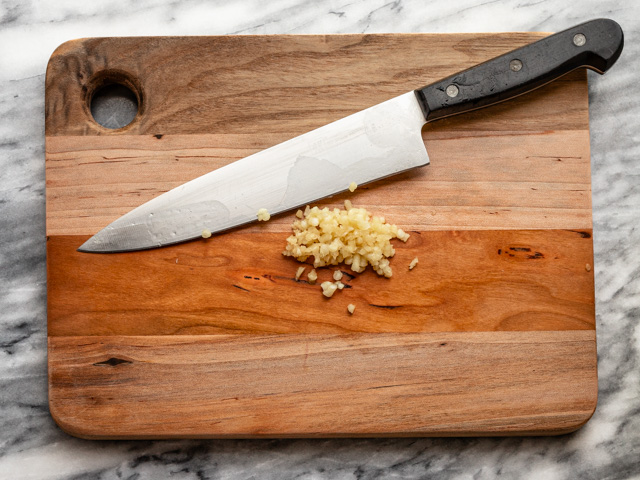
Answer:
(114, 100)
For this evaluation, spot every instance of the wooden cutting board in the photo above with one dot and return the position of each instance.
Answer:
(492, 334)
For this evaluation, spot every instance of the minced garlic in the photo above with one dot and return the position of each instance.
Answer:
(300, 272)
(328, 288)
(402, 235)
(263, 215)
(353, 186)
(337, 275)
(299, 214)
(353, 237)
(413, 263)
(351, 308)
(312, 276)
(206, 233)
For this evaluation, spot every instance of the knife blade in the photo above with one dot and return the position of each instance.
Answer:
(377, 142)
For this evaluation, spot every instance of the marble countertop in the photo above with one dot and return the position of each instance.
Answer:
(32, 446)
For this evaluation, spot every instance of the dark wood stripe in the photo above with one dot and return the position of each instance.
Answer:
(240, 283)
(231, 84)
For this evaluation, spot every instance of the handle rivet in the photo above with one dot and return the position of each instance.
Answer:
(515, 65)
(579, 39)
(452, 91)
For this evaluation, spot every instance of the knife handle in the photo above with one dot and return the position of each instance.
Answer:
(596, 44)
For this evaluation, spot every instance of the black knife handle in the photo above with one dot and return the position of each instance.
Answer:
(596, 44)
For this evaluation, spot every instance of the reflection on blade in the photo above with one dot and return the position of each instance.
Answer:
(377, 142)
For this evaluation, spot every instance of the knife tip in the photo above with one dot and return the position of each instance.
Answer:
(111, 240)
(87, 247)
(99, 243)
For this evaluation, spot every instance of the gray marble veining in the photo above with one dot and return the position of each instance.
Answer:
(31, 446)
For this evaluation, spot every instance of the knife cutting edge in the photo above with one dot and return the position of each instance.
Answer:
(377, 142)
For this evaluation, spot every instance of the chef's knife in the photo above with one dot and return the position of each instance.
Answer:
(377, 142)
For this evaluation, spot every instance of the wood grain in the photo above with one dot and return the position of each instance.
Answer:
(438, 384)
(484, 173)
(465, 281)
(492, 334)
(246, 84)
(501, 181)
